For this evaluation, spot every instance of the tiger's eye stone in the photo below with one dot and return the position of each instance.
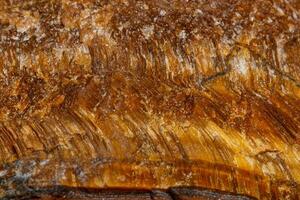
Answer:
(150, 99)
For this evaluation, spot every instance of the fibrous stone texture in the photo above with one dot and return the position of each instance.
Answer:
(151, 95)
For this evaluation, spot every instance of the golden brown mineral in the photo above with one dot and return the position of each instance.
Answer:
(150, 99)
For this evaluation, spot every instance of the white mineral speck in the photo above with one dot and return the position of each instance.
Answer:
(279, 10)
(148, 31)
(3, 173)
(44, 162)
(241, 65)
(199, 12)
(162, 13)
(182, 35)
(295, 16)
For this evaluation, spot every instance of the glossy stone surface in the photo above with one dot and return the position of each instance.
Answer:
(150, 95)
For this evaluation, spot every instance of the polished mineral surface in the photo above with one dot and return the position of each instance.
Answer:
(150, 95)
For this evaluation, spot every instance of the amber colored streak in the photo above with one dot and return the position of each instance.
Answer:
(76, 135)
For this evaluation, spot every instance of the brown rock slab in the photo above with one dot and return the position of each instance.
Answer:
(195, 99)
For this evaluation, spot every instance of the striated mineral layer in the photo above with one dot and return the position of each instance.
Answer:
(150, 94)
